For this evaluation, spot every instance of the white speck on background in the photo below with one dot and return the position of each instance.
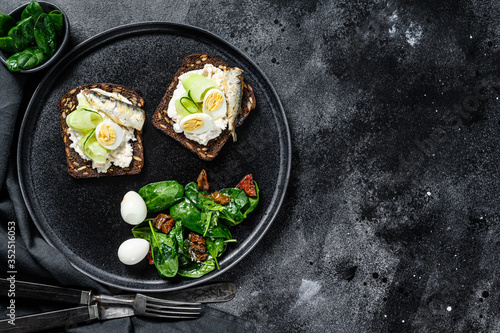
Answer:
(308, 289)
(448, 308)
(429, 193)
(413, 34)
(393, 18)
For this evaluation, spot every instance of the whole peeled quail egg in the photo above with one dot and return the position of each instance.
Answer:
(133, 208)
(133, 250)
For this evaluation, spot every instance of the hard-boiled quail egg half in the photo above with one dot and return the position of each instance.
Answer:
(133, 208)
(109, 134)
(214, 103)
(197, 123)
(133, 250)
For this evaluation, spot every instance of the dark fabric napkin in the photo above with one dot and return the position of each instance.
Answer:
(37, 261)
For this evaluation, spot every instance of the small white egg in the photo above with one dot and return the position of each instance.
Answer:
(109, 135)
(197, 123)
(133, 250)
(214, 104)
(133, 208)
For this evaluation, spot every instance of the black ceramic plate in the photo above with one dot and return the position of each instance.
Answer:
(82, 217)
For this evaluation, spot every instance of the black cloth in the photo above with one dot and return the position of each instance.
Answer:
(37, 261)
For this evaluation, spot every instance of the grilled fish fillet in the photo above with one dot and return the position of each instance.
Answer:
(120, 112)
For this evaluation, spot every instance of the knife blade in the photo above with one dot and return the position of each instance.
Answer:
(212, 293)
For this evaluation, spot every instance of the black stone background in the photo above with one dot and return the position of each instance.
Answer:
(391, 219)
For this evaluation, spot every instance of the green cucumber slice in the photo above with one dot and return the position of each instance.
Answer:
(197, 85)
(83, 119)
(92, 148)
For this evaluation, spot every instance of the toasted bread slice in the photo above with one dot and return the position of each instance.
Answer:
(77, 166)
(162, 122)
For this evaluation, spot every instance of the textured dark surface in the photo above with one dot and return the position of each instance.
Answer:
(391, 220)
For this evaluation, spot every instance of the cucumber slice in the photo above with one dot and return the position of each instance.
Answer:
(197, 85)
(185, 106)
(83, 119)
(93, 149)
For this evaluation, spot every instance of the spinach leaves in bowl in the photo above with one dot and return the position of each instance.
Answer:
(32, 36)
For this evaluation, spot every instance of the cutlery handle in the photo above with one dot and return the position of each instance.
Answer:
(46, 320)
(32, 290)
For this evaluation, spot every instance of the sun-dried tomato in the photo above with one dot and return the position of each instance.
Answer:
(220, 198)
(198, 247)
(203, 181)
(164, 222)
(247, 185)
(150, 258)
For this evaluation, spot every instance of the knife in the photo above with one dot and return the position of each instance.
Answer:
(66, 317)
(212, 293)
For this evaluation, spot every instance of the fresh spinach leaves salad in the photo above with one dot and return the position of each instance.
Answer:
(33, 39)
(192, 226)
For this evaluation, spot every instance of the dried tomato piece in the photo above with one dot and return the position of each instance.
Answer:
(198, 247)
(220, 198)
(164, 222)
(247, 185)
(150, 258)
(203, 181)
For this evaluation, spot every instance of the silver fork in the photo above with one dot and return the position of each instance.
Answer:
(153, 307)
(142, 304)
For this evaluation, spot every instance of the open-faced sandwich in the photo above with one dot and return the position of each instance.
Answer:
(204, 104)
(102, 130)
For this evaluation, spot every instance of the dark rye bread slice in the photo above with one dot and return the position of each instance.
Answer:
(77, 166)
(162, 122)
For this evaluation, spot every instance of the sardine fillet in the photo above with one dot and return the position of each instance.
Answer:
(234, 92)
(122, 113)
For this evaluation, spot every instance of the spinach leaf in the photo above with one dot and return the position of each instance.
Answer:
(161, 195)
(192, 192)
(6, 23)
(22, 33)
(186, 212)
(29, 58)
(192, 218)
(141, 232)
(240, 206)
(215, 246)
(57, 19)
(7, 44)
(195, 269)
(32, 9)
(45, 35)
(164, 250)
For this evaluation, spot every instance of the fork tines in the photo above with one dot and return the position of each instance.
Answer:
(171, 309)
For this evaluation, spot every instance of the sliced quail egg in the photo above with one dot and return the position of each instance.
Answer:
(214, 104)
(197, 123)
(133, 250)
(133, 208)
(109, 135)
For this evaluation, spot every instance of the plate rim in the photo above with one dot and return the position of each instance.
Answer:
(285, 159)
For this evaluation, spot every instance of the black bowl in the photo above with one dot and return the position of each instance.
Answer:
(62, 40)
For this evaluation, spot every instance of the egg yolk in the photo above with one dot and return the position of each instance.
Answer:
(214, 101)
(107, 135)
(193, 124)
